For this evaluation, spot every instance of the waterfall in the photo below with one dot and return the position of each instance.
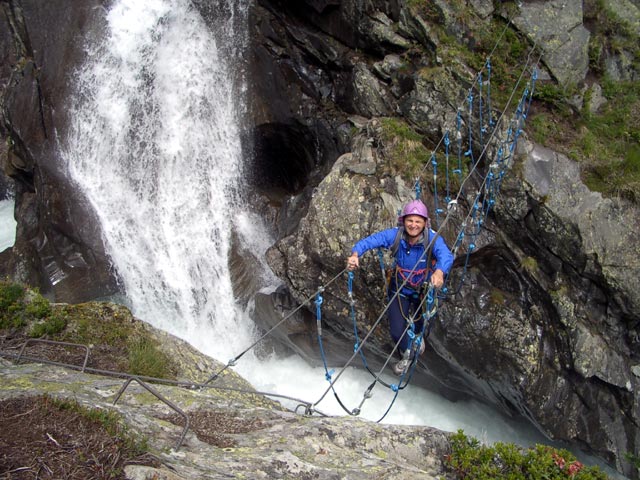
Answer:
(155, 146)
(7, 223)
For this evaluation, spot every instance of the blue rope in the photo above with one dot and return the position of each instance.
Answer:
(447, 198)
(488, 65)
(318, 303)
(459, 142)
(416, 341)
(352, 314)
(469, 153)
(437, 210)
(480, 209)
(480, 108)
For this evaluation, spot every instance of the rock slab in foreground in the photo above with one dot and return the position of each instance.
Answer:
(281, 444)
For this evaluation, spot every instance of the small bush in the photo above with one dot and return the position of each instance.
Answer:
(10, 294)
(11, 305)
(50, 326)
(147, 360)
(634, 460)
(38, 306)
(471, 460)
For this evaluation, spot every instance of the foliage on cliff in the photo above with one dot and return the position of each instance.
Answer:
(108, 329)
(470, 459)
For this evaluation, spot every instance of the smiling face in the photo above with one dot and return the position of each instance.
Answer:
(414, 225)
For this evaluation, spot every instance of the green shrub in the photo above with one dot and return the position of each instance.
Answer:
(470, 459)
(634, 459)
(20, 306)
(147, 360)
(50, 326)
(10, 295)
(38, 306)
(11, 305)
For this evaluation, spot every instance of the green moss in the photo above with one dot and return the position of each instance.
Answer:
(496, 297)
(609, 142)
(10, 294)
(109, 328)
(409, 158)
(98, 323)
(403, 147)
(426, 9)
(606, 142)
(543, 127)
(530, 265)
(610, 32)
(38, 307)
(555, 97)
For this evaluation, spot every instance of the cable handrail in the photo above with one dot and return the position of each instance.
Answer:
(164, 381)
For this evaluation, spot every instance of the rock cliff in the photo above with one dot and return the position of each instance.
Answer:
(546, 321)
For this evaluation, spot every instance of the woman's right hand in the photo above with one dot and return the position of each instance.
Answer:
(353, 262)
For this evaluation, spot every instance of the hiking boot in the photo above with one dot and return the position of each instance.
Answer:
(401, 367)
(422, 347)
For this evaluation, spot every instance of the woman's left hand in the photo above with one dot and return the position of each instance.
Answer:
(353, 262)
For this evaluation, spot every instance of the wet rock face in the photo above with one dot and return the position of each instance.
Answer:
(58, 245)
(545, 322)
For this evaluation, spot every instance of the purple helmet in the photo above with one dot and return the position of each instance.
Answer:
(415, 207)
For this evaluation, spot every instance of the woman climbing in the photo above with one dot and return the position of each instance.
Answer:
(408, 245)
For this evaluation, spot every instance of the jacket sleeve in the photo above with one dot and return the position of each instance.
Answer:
(383, 238)
(444, 257)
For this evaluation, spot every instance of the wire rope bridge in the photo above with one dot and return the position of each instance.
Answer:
(484, 132)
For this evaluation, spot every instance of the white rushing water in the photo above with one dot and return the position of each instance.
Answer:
(7, 224)
(155, 146)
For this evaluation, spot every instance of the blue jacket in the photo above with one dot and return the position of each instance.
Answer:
(410, 256)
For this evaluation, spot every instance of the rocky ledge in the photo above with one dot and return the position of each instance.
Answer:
(252, 437)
